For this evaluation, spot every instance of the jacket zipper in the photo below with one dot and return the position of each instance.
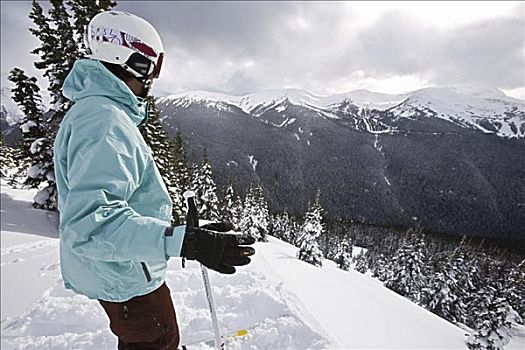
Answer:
(146, 272)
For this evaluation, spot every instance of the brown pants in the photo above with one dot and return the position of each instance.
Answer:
(144, 322)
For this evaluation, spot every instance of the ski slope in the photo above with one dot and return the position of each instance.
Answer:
(283, 302)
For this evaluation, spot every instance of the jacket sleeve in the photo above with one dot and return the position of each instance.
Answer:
(97, 221)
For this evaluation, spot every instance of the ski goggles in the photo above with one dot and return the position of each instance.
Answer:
(142, 67)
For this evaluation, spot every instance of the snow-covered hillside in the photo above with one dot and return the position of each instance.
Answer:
(285, 303)
(486, 110)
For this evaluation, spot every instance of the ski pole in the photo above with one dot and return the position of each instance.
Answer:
(192, 220)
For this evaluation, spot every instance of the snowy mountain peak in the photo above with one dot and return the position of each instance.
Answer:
(488, 110)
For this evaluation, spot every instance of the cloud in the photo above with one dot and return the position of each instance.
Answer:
(325, 47)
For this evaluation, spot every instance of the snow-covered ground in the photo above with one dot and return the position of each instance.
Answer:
(285, 303)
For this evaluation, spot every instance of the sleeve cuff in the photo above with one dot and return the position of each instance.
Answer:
(174, 236)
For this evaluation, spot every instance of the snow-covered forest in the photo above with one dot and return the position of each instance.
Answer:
(477, 286)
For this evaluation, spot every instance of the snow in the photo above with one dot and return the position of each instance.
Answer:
(26, 127)
(468, 106)
(253, 162)
(34, 171)
(36, 145)
(283, 302)
(281, 109)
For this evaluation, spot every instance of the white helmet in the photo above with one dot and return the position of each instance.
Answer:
(125, 39)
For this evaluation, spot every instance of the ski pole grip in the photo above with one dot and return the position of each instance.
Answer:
(192, 216)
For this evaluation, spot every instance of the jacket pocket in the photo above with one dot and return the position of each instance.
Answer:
(146, 271)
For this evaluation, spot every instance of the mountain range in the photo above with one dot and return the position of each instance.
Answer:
(447, 159)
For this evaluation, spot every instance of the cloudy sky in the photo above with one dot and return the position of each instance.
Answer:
(325, 47)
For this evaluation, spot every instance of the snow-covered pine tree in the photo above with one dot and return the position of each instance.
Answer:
(294, 230)
(206, 191)
(343, 257)
(311, 229)
(26, 94)
(442, 293)
(286, 227)
(248, 223)
(228, 203)
(282, 226)
(493, 327)
(514, 288)
(237, 212)
(472, 283)
(83, 12)
(361, 262)
(180, 162)
(277, 226)
(407, 275)
(160, 146)
(262, 214)
(379, 269)
(38, 147)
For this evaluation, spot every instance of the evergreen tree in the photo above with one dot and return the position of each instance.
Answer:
(160, 146)
(254, 220)
(26, 94)
(63, 56)
(442, 294)
(287, 228)
(283, 227)
(38, 147)
(494, 321)
(407, 269)
(262, 213)
(228, 203)
(237, 212)
(58, 48)
(514, 287)
(249, 223)
(361, 262)
(379, 268)
(294, 230)
(180, 163)
(343, 257)
(205, 191)
(49, 42)
(472, 283)
(311, 230)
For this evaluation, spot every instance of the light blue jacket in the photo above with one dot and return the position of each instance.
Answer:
(114, 207)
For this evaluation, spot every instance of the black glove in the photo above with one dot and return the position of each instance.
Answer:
(215, 249)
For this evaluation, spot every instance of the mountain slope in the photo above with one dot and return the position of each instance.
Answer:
(397, 166)
(286, 303)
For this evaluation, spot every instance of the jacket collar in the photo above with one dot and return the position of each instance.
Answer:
(91, 78)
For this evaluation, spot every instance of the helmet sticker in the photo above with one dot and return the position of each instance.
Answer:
(121, 38)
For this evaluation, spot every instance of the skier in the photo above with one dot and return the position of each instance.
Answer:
(115, 233)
